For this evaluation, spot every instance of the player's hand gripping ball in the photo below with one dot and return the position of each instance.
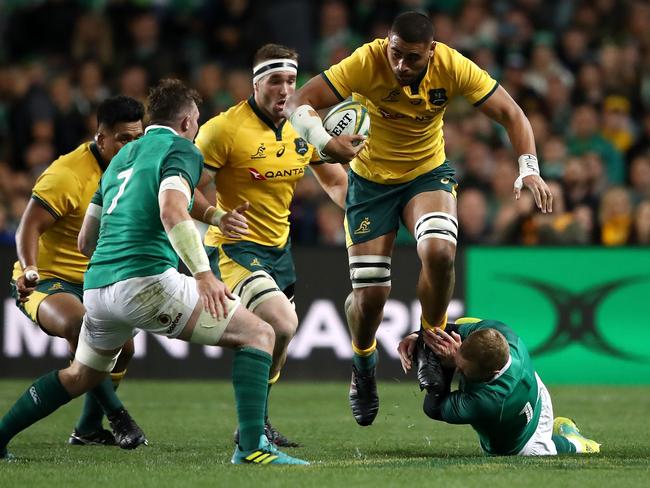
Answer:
(347, 118)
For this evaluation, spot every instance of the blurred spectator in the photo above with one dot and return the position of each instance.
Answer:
(473, 223)
(337, 38)
(615, 217)
(640, 234)
(553, 158)
(92, 39)
(69, 124)
(617, 124)
(640, 178)
(586, 137)
(134, 83)
(90, 89)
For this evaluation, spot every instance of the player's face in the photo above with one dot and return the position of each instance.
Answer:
(110, 141)
(408, 59)
(271, 92)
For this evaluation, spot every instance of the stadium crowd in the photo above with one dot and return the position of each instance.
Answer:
(579, 69)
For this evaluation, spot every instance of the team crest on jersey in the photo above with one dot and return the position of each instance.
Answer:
(301, 146)
(260, 152)
(438, 96)
(255, 262)
(256, 175)
(393, 96)
(55, 287)
(364, 226)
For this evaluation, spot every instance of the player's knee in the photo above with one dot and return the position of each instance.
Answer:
(264, 337)
(437, 256)
(70, 327)
(284, 325)
(371, 300)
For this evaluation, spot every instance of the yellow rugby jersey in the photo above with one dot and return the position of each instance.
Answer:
(255, 163)
(65, 189)
(405, 128)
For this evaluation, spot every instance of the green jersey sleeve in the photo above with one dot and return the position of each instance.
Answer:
(97, 198)
(460, 408)
(185, 160)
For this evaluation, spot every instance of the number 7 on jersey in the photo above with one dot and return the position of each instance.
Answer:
(122, 175)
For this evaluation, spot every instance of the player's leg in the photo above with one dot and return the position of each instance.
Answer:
(279, 312)
(172, 294)
(431, 217)
(364, 310)
(61, 315)
(54, 390)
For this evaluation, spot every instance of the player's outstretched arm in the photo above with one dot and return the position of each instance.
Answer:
(34, 222)
(334, 180)
(504, 110)
(89, 233)
(300, 108)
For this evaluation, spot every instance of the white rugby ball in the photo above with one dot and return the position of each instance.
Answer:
(348, 118)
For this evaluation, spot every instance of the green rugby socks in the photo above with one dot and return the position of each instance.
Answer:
(41, 399)
(250, 380)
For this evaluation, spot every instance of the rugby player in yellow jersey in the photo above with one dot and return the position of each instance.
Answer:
(406, 82)
(48, 276)
(255, 159)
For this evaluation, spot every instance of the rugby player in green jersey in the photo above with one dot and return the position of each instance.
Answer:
(500, 395)
(136, 228)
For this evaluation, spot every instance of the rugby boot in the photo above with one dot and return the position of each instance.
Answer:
(364, 400)
(568, 429)
(265, 454)
(127, 433)
(101, 437)
(273, 435)
(429, 369)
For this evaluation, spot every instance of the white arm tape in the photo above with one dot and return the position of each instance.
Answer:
(310, 127)
(528, 165)
(186, 241)
(94, 211)
(215, 218)
(175, 183)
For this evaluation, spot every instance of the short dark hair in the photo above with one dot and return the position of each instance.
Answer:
(274, 51)
(169, 99)
(488, 349)
(120, 108)
(413, 27)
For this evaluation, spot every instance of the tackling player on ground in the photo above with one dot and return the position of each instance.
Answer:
(255, 159)
(406, 82)
(48, 276)
(136, 228)
(500, 395)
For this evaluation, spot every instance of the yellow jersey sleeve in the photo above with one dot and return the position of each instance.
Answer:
(215, 141)
(352, 74)
(57, 189)
(315, 157)
(472, 82)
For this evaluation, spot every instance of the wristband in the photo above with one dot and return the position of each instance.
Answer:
(31, 273)
(186, 241)
(213, 218)
(310, 127)
(528, 165)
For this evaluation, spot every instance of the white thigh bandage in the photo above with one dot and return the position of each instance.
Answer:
(86, 355)
(369, 271)
(256, 289)
(439, 225)
(208, 329)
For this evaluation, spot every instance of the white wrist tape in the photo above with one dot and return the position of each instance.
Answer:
(186, 241)
(31, 273)
(528, 165)
(175, 183)
(310, 127)
(215, 218)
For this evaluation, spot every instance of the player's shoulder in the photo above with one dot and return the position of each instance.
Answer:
(375, 50)
(446, 57)
(228, 119)
(76, 165)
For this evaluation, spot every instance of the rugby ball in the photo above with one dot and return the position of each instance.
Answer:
(346, 118)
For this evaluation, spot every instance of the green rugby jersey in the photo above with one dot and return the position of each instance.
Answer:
(505, 411)
(132, 240)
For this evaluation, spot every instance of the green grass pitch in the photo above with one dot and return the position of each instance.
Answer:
(189, 426)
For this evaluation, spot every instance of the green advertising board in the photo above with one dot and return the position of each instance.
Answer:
(584, 313)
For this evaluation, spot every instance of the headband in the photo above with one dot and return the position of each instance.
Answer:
(272, 66)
